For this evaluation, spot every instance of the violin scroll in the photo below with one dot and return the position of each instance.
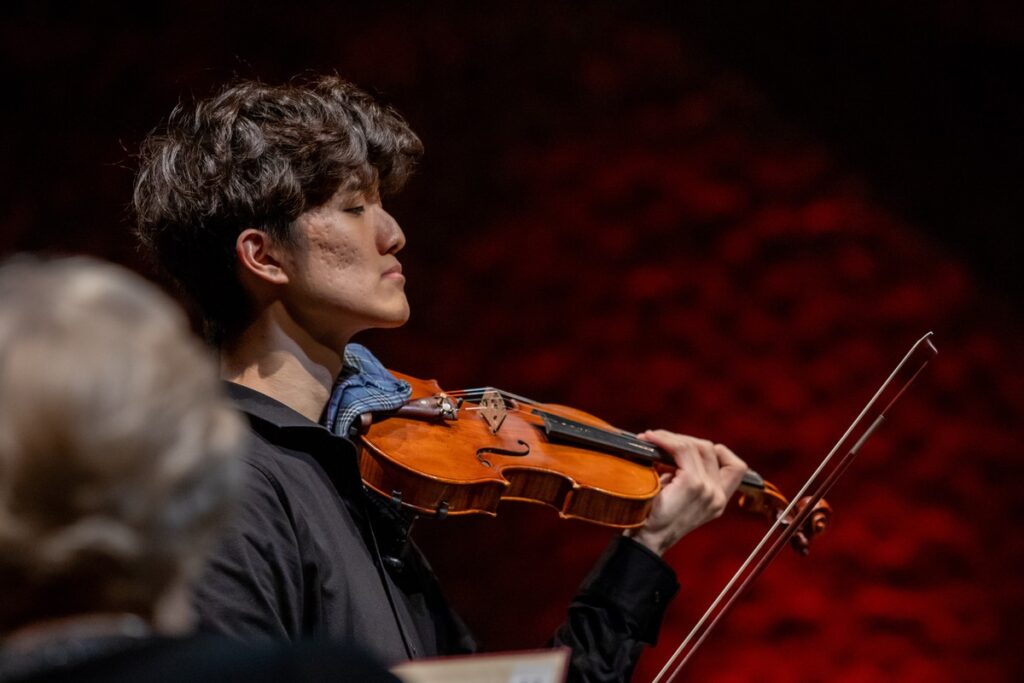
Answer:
(763, 498)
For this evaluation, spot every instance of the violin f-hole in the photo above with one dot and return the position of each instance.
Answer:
(481, 452)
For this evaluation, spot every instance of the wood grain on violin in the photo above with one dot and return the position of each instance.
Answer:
(463, 452)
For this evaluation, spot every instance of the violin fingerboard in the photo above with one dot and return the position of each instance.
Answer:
(569, 432)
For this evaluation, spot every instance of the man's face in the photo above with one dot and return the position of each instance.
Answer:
(343, 273)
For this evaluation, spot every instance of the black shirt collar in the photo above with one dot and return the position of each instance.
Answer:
(268, 410)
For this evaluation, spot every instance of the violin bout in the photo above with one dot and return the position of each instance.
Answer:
(463, 465)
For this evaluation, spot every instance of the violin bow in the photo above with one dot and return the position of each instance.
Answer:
(817, 486)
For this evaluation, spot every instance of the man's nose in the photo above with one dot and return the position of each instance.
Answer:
(390, 238)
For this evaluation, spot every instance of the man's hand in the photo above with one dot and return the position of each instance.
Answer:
(707, 475)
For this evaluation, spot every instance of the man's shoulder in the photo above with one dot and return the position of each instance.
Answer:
(304, 461)
(280, 435)
(307, 470)
(289, 498)
(266, 463)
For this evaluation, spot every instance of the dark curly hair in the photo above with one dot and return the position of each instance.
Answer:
(257, 156)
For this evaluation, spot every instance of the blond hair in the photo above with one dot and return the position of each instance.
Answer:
(117, 445)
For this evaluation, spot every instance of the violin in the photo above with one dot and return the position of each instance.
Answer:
(451, 453)
(463, 452)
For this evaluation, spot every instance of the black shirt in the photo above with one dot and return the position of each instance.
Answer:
(299, 561)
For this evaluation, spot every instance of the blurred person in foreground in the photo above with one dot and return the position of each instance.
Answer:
(118, 469)
(265, 204)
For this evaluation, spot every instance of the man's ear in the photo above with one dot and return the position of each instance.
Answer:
(259, 255)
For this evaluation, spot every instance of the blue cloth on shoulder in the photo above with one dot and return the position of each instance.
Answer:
(364, 386)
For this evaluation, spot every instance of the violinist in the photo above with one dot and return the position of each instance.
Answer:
(265, 204)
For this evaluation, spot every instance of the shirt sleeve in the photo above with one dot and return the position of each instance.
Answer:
(252, 584)
(617, 610)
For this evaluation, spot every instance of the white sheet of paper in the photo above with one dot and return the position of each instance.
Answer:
(533, 666)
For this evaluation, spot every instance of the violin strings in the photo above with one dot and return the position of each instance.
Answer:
(477, 393)
(631, 438)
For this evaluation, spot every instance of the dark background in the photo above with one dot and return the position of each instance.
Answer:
(721, 219)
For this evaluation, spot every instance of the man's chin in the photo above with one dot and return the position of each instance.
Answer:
(397, 320)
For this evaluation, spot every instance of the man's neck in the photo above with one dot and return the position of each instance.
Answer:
(277, 358)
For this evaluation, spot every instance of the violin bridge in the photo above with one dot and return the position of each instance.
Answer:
(493, 410)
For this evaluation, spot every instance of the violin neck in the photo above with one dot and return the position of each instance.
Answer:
(559, 429)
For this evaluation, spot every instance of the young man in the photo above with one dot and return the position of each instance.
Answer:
(265, 204)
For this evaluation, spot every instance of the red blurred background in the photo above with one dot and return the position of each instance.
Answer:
(723, 220)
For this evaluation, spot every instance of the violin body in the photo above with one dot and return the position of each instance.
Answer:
(464, 466)
(438, 456)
